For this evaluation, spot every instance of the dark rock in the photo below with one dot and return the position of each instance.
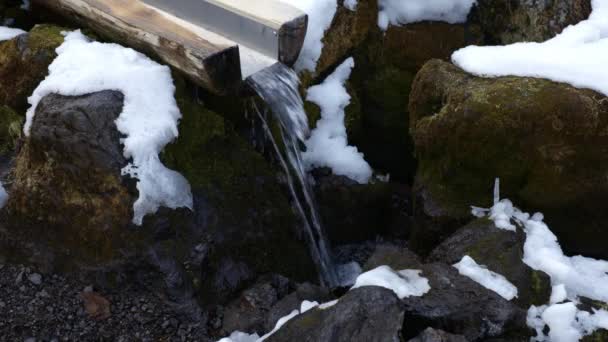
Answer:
(249, 311)
(544, 140)
(397, 257)
(67, 176)
(10, 130)
(502, 252)
(353, 212)
(511, 21)
(460, 306)
(366, 314)
(434, 335)
(306, 291)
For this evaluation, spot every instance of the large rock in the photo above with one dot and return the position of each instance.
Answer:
(502, 252)
(511, 21)
(67, 175)
(458, 305)
(24, 63)
(371, 314)
(434, 335)
(546, 142)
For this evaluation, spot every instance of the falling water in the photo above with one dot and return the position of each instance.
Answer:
(278, 87)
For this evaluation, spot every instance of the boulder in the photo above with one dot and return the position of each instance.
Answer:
(459, 305)
(67, 175)
(434, 335)
(24, 62)
(285, 306)
(367, 314)
(502, 252)
(511, 21)
(397, 257)
(353, 212)
(546, 142)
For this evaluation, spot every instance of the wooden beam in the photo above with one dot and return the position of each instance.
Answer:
(209, 60)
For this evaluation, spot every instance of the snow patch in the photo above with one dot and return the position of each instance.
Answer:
(7, 33)
(351, 4)
(149, 119)
(3, 196)
(486, 278)
(238, 336)
(401, 12)
(558, 294)
(404, 283)
(328, 143)
(582, 51)
(320, 15)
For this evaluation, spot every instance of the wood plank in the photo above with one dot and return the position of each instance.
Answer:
(209, 60)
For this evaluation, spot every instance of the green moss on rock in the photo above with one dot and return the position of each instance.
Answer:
(546, 142)
(24, 63)
(10, 129)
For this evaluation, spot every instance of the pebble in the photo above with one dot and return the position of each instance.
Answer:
(35, 278)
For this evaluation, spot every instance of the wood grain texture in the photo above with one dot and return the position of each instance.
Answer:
(213, 65)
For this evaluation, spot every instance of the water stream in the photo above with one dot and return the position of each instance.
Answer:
(278, 87)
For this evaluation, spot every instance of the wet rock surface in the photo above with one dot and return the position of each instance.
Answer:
(365, 314)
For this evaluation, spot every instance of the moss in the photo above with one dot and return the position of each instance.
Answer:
(10, 129)
(24, 64)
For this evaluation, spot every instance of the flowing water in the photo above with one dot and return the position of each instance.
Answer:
(278, 87)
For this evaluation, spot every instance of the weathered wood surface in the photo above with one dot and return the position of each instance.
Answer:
(214, 65)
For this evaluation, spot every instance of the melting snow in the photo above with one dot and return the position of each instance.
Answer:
(486, 278)
(571, 277)
(328, 143)
(404, 283)
(7, 33)
(401, 12)
(582, 51)
(149, 119)
(320, 15)
(351, 4)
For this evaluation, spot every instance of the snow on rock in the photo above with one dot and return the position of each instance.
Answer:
(3, 196)
(320, 15)
(238, 336)
(351, 4)
(7, 33)
(401, 12)
(571, 277)
(328, 143)
(486, 278)
(149, 119)
(582, 51)
(558, 294)
(404, 283)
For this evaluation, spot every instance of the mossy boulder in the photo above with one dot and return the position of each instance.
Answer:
(501, 251)
(24, 62)
(511, 21)
(67, 182)
(546, 142)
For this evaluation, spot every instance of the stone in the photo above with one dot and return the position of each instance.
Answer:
(546, 142)
(96, 306)
(35, 278)
(364, 314)
(502, 252)
(434, 335)
(458, 305)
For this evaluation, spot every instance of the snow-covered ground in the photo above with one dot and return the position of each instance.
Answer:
(328, 143)
(486, 278)
(401, 12)
(577, 56)
(149, 119)
(7, 33)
